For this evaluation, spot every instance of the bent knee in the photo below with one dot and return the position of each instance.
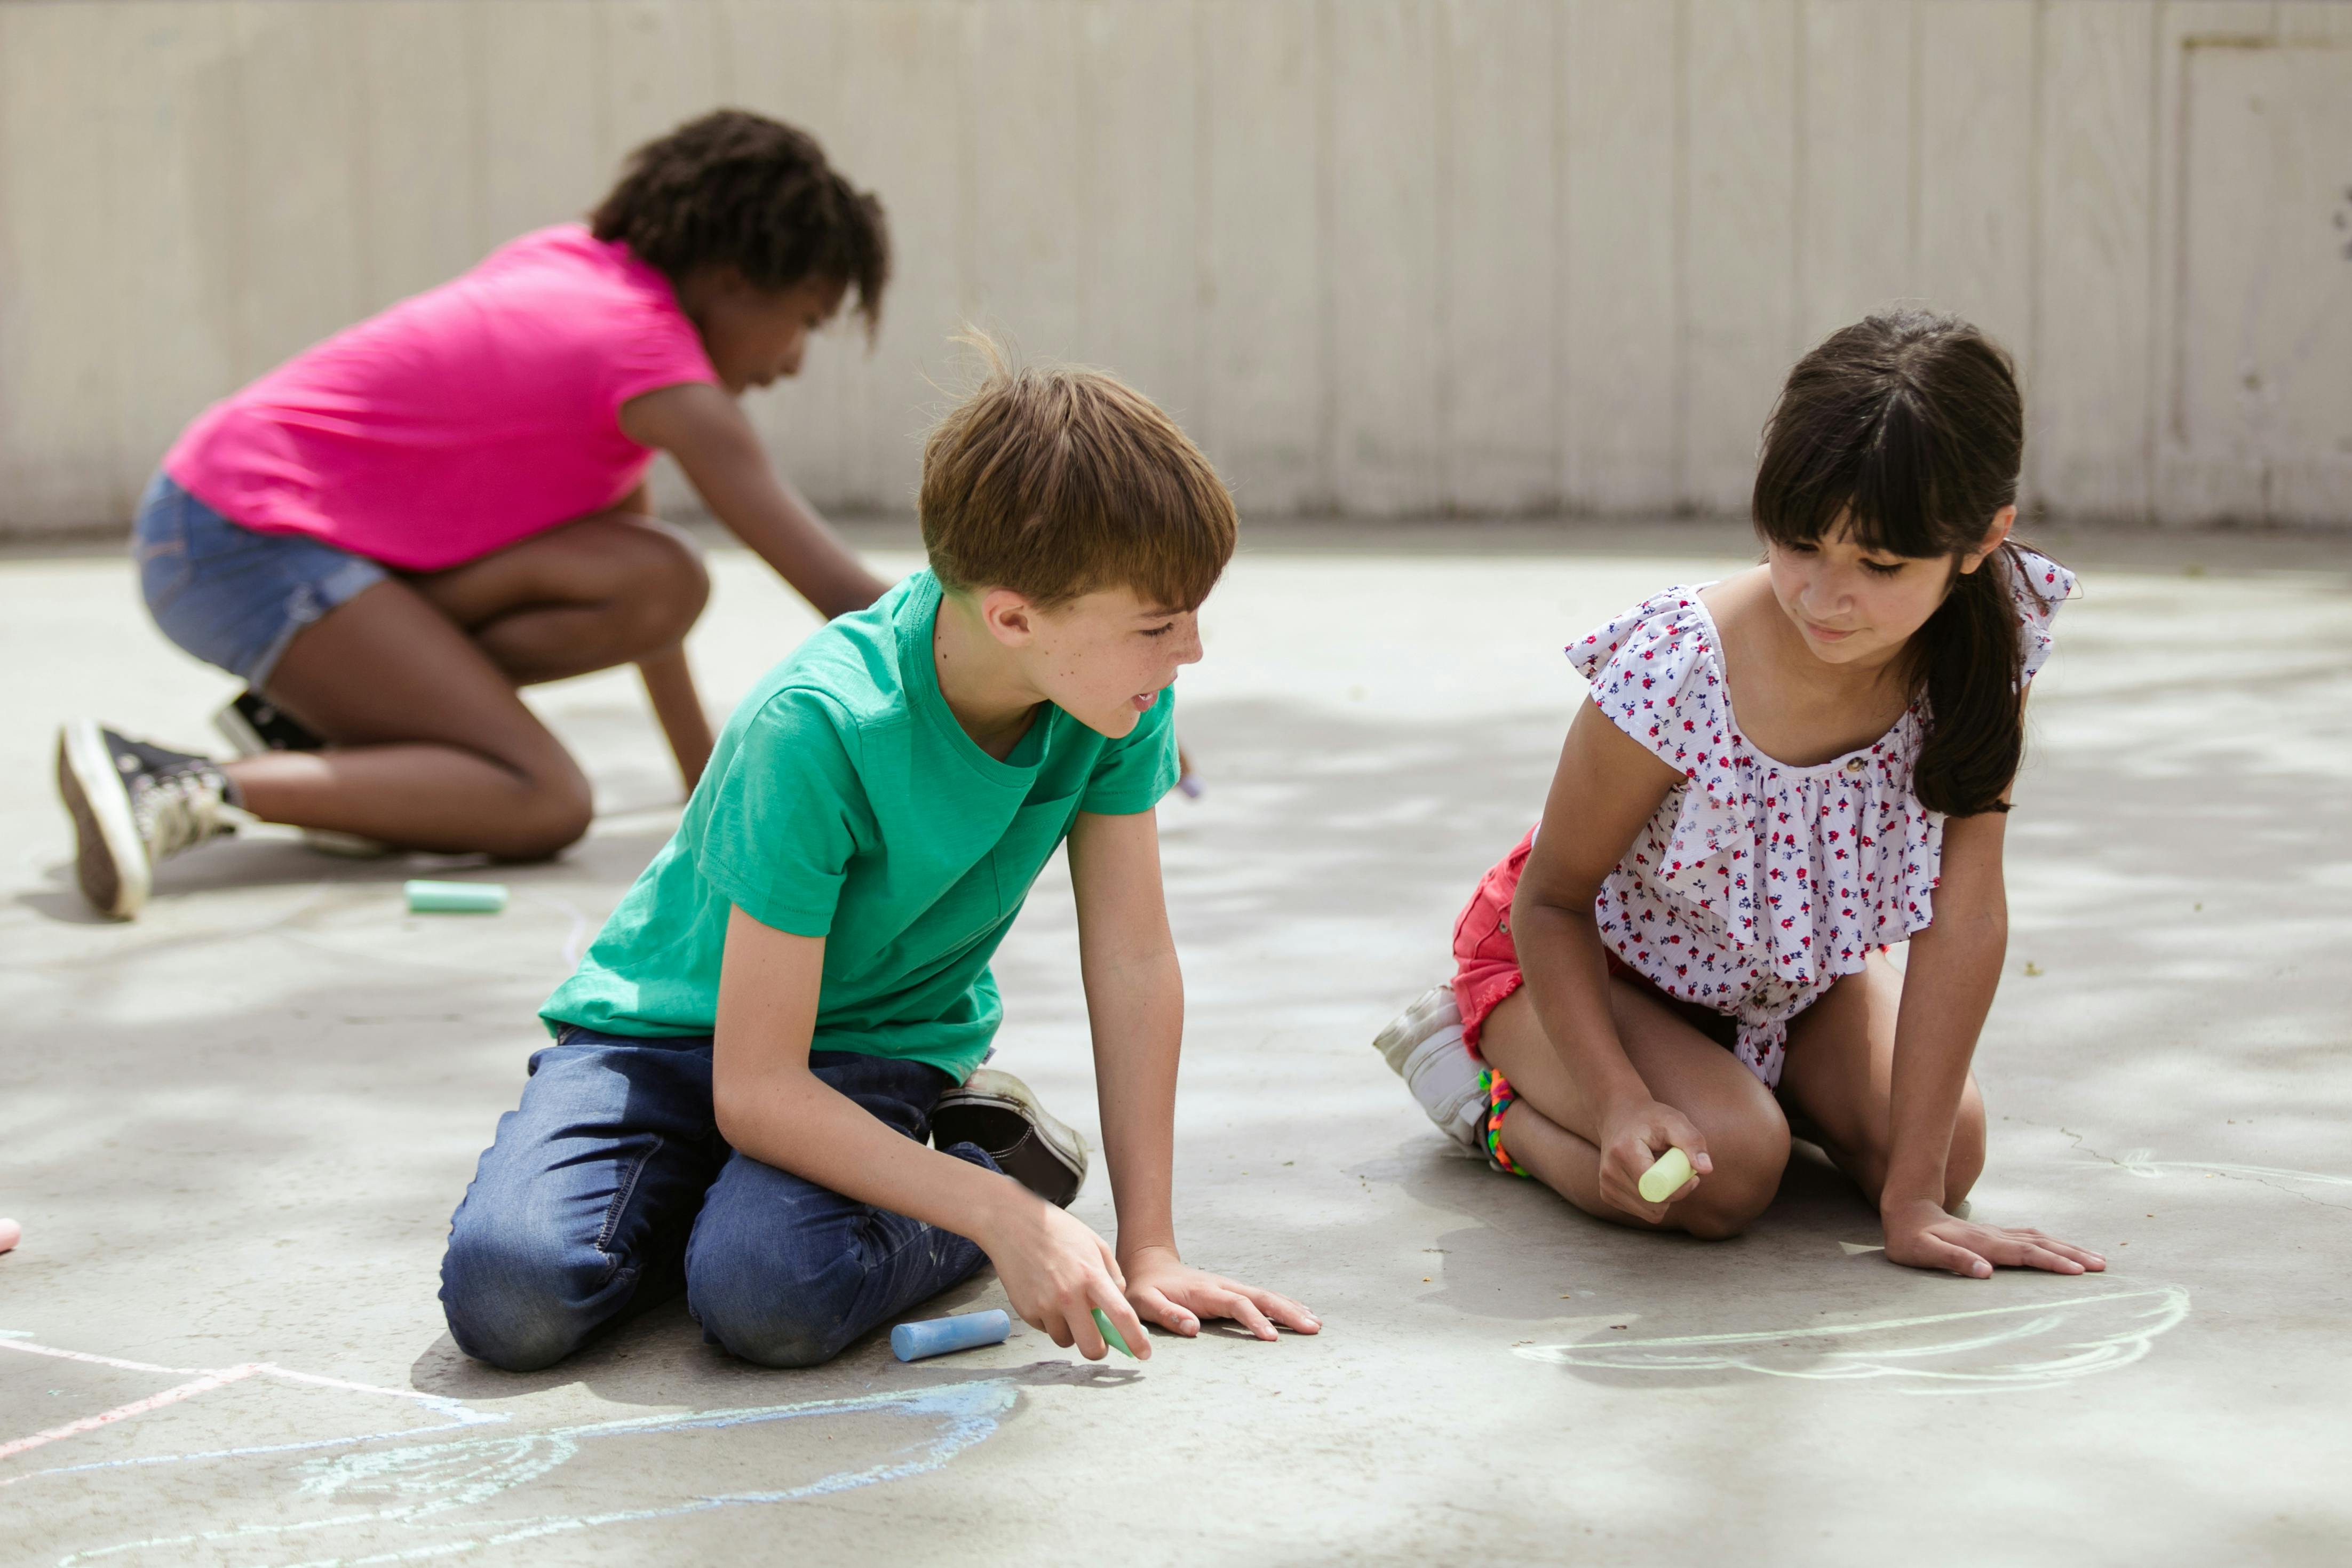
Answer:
(770, 1316)
(555, 814)
(669, 586)
(519, 1301)
(799, 1331)
(1748, 1163)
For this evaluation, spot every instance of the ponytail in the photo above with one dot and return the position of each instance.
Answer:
(1906, 430)
(1971, 664)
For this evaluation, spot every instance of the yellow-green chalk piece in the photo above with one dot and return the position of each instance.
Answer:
(1110, 1335)
(455, 897)
(1665, 1178)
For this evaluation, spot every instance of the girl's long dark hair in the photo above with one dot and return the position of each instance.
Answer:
(1908, 430)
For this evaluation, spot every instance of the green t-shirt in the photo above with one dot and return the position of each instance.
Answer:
(843, 802)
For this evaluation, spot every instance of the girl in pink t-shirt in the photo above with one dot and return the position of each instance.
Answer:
(389, 535)
(1777, 776)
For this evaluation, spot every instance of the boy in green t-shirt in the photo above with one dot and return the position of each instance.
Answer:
(795, 994)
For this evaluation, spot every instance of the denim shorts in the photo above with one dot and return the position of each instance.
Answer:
(231, 595)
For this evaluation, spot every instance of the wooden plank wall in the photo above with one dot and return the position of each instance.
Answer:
(1382, 257)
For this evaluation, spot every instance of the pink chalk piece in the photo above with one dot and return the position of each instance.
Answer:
(10, 1233)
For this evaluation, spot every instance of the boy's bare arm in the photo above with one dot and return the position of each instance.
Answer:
(772, 1108)
(700, 425)
(1135, 1005)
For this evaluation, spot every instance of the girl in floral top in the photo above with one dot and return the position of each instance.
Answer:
(1777, 776)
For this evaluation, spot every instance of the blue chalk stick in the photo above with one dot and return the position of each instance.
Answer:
(938, 1336)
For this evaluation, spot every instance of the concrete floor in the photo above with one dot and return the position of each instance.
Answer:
(234, 1132)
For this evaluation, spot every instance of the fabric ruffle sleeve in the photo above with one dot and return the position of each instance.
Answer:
(2037, 586)
(1655, 673)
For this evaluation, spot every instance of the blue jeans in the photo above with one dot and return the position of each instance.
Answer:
(609, 1188)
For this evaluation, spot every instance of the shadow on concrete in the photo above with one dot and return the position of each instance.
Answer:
(659, 1359)
(276, 857)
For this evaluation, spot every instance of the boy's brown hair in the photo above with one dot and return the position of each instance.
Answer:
(1057, 481)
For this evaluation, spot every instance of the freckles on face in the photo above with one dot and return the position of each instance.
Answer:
(1110, 655)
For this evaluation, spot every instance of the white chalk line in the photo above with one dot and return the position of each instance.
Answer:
(2143, 1164)
(2152, 1313)
(204, 1381)
(575, 941)
(442, 1476)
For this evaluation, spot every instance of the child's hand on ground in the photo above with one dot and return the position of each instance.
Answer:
(1057, 1272)
(1175, 1295)
(1924, 1236)
(1631, 1141)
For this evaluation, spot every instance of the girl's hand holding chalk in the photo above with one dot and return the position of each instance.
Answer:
(1666, 1178)
(1641, 1148)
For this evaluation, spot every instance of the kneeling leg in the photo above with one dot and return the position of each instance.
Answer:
(1746, 1136)
(581, 1206)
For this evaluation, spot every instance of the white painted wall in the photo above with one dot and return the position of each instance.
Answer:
(1383, 257)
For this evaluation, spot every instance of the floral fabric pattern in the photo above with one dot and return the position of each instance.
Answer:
(1757, 886)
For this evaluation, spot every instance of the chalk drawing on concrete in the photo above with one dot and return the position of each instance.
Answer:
(1991, 1351)
(2143, 1163)
(386, 1484)
(205, 1380)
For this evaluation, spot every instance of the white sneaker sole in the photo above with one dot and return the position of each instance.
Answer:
(92, 789)
(1424, 1048)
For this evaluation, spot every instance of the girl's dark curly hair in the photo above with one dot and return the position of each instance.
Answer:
(734, 188)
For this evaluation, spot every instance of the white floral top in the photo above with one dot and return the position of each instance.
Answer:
(1757, 884)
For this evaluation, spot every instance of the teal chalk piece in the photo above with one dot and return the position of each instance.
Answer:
(942, 1336)
(1110, 1335)
(455, 897)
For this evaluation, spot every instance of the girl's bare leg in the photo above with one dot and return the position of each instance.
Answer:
(1745, 1133)
(1839, 1066)
(413, 682)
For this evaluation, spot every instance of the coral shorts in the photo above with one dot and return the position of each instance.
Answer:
(1486, 960)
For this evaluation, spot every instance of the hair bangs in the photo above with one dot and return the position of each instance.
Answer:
(1866, 473)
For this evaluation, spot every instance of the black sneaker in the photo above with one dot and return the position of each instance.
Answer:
(1000, 1114)
(134, 804)
(253, 725)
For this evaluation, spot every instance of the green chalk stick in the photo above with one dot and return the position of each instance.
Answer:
(1110, 1335)
(455, 897)
(1665, 1178)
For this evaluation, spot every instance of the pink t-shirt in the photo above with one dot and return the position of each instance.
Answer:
(457, 422)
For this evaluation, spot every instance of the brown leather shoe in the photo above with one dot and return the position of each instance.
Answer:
(999, 1115)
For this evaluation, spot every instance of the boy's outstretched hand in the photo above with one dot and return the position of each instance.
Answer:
(1171, 1293)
